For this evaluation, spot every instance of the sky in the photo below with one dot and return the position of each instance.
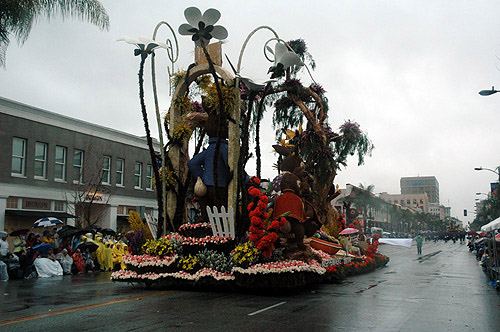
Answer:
(408, 72)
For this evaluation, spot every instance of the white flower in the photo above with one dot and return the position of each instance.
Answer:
(145, 46)
(202, 27)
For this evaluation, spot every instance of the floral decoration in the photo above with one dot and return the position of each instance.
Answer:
(245, 254)
(201, 27)
(291, 266)
(147, 260)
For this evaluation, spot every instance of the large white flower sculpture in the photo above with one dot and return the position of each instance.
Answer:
(283, 59)
(145, 46)
(202, 27)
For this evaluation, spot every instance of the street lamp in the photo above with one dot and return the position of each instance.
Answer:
(487, 169)
(488, 92)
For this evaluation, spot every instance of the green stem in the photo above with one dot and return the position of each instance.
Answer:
(149, 140)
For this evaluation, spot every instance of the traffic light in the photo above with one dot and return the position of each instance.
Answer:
(465, 212)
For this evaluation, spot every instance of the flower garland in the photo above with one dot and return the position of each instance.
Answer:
(290, 266)
(258, 217)
(148, 260)
(184, 227)
(197, 241)
(126, 275)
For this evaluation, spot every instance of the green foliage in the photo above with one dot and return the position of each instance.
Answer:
(352, 141)
(17, 17)
(215, 260)
(488, 210)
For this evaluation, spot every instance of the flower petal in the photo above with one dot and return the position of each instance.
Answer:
(211, 16)
(184, 29)
(290, 59)
(128, 40)
(219, 32)
(193, 16)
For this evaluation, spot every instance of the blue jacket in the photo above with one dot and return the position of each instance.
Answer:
(202, 164)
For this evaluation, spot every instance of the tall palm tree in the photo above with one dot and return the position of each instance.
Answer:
(17, 17)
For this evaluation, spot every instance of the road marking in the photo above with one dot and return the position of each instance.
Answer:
(262, 310)
(90, 306)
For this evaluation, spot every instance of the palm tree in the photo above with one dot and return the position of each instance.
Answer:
(17, 17)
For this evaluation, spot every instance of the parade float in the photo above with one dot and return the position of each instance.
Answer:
(250, 234)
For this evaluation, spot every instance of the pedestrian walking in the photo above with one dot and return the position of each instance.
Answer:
(419, 241)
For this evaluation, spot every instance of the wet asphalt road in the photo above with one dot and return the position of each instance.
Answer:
(443, 290)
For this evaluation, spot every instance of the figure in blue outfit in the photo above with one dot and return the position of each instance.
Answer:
(202, 165)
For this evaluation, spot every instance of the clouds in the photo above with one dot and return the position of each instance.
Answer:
(408, 72)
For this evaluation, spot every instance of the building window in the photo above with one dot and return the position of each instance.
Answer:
(40, 160)
(12, 202)
(120, 210)
(78, 166)
(106, 165)
(149, 177)
(58, 206)
(60, 169)
(18, 156)
(120, 165)
(138, 176)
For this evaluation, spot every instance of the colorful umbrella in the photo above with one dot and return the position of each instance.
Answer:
(497, 237)
(349, 231)
(46, 222)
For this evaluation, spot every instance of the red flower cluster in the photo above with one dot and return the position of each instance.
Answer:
(258, 215)
(342, 221)
(373, 247)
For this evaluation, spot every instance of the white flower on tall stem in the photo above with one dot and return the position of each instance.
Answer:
(201, 27)
(145, 46)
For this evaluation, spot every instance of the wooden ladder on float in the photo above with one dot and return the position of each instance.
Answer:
(222, 222)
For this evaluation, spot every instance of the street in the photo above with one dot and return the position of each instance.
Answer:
(443, 290)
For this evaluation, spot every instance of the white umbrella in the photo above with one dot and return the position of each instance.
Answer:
(47, 222)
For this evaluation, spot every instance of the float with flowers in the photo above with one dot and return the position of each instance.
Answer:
(282, 233)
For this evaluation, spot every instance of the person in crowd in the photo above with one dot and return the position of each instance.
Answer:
(4, 246)
(87, 258)
(118, 255)
(419, 241)
(30, 240)
(108, 256)
(66, 261)
(4, 274)
(14, 266)
(47, 267)
(56, 239)
(100, 257)
(19, 244)
(47, 238)
(38, 239)
(78, 261)
(76, 242)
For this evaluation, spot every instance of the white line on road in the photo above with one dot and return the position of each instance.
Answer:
(262, 310)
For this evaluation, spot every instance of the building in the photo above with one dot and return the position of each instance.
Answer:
(417, 202)
(420, 185)
(54, 165)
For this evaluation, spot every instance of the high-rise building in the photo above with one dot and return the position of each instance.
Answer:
(420, 185)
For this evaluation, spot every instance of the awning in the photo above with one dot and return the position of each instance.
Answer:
(25, 213)
(495, 224)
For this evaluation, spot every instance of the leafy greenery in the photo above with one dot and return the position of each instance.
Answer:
(488, 210)
(17, 17)
(215, 260)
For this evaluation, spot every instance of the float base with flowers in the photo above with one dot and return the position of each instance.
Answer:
(212, 262)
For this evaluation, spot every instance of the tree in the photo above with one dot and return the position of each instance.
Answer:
(89, 196)
(17, 17)
(365, 200)
(489, 209)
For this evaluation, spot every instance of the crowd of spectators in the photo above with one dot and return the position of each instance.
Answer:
(47, 255)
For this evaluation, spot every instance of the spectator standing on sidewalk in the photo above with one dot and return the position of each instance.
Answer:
(419, 241)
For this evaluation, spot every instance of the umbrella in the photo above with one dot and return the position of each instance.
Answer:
(108, 231)
(46, 222)
(67, 231)
(349, 231)
(19, 232)
(497, 237)
(42, 247)
(91, 245)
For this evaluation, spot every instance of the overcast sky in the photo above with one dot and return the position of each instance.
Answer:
(408, 72)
